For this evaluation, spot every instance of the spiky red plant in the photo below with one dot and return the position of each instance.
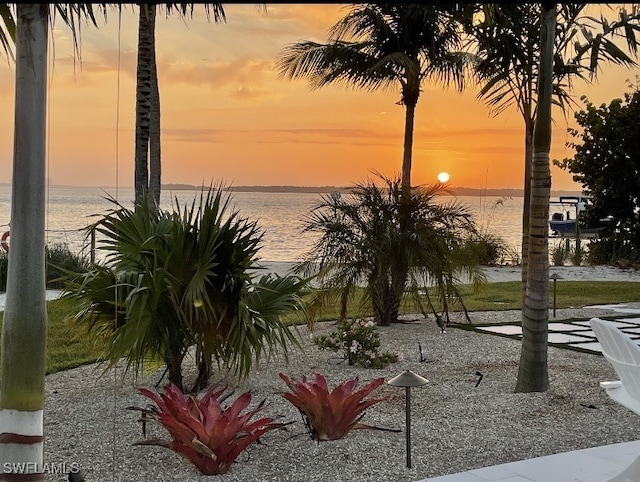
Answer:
(204, 432)
(331, 414)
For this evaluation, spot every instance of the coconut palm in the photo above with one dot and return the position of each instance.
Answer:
(181, 279)
(361, 242)
(24, 328)
(380, 46)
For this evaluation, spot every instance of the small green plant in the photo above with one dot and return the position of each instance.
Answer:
(491, 249)
(359, 342)
(331, 415)
(59, 258)
(577, 255)
(559, 255)
(209, 436)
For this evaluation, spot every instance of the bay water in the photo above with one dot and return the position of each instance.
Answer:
(280, 215)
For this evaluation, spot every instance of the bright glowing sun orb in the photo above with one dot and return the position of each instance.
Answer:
(443, 177)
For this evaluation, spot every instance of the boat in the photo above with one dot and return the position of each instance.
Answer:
(565, 220)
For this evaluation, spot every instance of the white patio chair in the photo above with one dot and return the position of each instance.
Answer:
(624, 355)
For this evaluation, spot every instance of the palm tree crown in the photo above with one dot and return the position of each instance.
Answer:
(379, 46)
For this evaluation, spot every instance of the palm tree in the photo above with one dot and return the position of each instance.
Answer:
(508, 42)
(25, 315)
(533, 375)
(362, 241)
(24, 328)
(147, 176)
(379, 46)
(181, 279)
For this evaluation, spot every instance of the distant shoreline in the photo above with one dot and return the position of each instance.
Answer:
(456, 191)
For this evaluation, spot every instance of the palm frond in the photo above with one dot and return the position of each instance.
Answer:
(8, 31)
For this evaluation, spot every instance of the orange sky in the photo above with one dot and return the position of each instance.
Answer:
(226, 117)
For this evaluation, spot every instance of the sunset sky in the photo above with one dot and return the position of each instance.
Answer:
(227, 117)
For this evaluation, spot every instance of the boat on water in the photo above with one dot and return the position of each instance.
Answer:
(565, 219)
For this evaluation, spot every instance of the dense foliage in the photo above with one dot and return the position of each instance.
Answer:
(185, 279)
(59, 259)
(362, 240)
(607, 164)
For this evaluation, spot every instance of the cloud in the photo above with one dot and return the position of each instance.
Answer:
(282, 136)
(305, 21)
(244, 71)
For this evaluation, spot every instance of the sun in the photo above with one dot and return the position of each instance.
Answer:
(443, 177)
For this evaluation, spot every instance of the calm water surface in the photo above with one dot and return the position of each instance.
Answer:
(280, 215)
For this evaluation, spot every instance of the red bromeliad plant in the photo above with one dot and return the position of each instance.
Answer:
(208, 435)
(330, 415)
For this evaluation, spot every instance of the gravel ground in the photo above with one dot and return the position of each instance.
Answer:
(455, 425)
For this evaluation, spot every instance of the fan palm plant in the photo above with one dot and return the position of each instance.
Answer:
(172, 280)
(361, 241)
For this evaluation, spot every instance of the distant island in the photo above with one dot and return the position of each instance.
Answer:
(456, 191)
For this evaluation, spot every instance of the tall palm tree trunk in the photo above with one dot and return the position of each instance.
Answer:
(155, 162)
(409, 119)
(146, 21)
(526, 202)
(24, 329)
(533, 374)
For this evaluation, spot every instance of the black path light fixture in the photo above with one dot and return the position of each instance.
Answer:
(408, 379)
(555, 277)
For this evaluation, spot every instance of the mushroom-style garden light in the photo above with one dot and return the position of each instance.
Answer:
(408, 379)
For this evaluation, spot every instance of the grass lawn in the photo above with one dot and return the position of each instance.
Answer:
(67, 348)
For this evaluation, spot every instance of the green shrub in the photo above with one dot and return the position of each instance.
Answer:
(576, 255)
(184, 278)
(395, 244)
(59, 258)
(359, 342)
(611, 251)
(491, 249)
(559, 254)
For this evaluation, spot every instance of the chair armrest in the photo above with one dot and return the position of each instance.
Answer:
(611, 384)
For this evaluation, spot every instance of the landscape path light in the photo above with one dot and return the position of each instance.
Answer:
(408, 379)
(555, 277)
